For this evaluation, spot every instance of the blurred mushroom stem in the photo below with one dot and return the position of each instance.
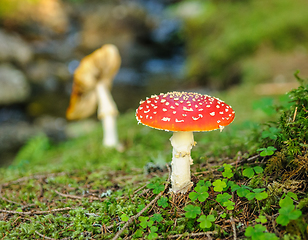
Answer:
(107, 112)
(182, 143)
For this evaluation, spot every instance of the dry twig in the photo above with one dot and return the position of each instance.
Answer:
(37, 212)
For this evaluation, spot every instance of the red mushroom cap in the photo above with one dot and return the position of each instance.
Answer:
(184, 111)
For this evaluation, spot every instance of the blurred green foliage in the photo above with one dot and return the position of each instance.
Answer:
(219, 35)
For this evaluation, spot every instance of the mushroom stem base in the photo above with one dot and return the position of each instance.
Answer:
(182, 142)
(110, 139)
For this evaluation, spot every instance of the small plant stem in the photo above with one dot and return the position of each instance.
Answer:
(43, 236)
(178, 236)
(295, 112)
(76, 197)
(233, 228)
(37, 212)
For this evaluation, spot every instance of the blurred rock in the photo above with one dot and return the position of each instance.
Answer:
(40, 71)
(13, 48)
(53, 127)
(14, 87)
(49, 14)
(14, 135)
(119, 24)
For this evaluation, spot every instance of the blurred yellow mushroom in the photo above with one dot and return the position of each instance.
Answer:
(91, 89)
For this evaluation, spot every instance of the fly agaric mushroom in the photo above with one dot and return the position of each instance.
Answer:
(183, 113)
(92, 84)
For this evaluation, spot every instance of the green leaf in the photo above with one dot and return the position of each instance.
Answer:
(223, 197)
(292, 195)
(219, 185)
(157, 217)
(140, 207)
(192, 211)
(242, 191)
(206, 222)
(153, 233)
(258, 169)
(229, 205)
(139, 233)
(228, 173)
(162, 202)
(124, 217)
(201, 189)
(250, 196)
(248, 172)
(193, 196)
(203, 196)
(261, 219)
(157, 187)
(261, 196)
(285, 202)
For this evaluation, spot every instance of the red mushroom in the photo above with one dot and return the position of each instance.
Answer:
(183, 113)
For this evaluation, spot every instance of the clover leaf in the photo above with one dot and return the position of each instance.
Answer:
(153, 233)
(257, 193)
(206, 221)
(124, 217)
(227, 171)
(267, 151)
(257, 233)
(219, 185)
(229, 205)
(162, 202)
(250, 172)
(157, 187)
(223, 197)
(287, 212)
(201, 193)
(157, 217)
(261, 219)
(192, 211)
(145, 222)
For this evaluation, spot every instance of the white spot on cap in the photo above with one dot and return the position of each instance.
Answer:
(167, 103)
(174, 112)
(147, 111)
(200, 109)
(208, 105)
(176, 120)
(217, 106)
(165, 110)
(188, 109)
(221, 112)
(227, 110)
(165, 119)
(212, 113)
(172, 107)
(163, 100)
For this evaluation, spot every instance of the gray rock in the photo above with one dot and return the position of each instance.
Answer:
(14, 86)
(12, 47)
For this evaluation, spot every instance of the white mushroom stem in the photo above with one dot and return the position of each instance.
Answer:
(107, 112)
(182, 142)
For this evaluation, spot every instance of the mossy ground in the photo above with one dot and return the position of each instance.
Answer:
(80, 190)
